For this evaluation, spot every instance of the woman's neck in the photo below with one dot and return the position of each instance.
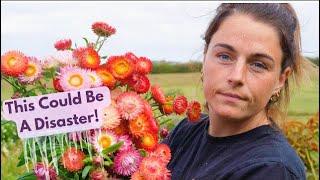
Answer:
(219, 127)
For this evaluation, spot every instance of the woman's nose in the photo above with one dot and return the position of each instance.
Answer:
(237, 73)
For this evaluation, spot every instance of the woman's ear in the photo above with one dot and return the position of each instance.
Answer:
(282, 79)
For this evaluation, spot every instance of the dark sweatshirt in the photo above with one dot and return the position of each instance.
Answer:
(261, 153)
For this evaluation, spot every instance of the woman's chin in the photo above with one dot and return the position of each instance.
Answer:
(227, 112)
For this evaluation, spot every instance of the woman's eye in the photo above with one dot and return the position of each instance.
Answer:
(224, 57)
(259, 65)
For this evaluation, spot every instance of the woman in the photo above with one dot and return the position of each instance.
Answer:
(250, 52)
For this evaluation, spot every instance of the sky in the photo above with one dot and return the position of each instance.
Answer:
(160, 30)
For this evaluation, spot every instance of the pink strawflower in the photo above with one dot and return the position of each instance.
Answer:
(127, 143)
(127, 162)
(74, 79)
(42, 172)
(111, 117)
(130, 105)
(94, 78)
(98, 174)
(33, 71)
(64, 58)
(102, 139)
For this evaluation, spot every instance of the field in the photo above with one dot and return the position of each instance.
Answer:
(304, 104)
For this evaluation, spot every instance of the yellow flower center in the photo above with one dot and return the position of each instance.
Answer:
(105, 141)
(106, 77)
(12, 61)
(91, 60)
(147, 140)
(122, 68)
(76, 80)
(31, 70)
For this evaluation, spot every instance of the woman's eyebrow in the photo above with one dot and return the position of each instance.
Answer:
(229, 47)
(263, 55)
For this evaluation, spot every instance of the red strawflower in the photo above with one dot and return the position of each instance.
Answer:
(103, 29)
(13, 63)
(167, 107)
(63, 44)
(72, 159)
(164, 132)
(148, 141)
(56, 85)
(87, 57)
(193, 111)
(158, 94)
(180, 104)
(137, 176)
(139, 125)
(143, 65)
(153, 168)
(122, 129)
(154, 126)
(132, 57)
(163, 152)
(147, 109)
(139, 83)
(120, 67)
(106, 77)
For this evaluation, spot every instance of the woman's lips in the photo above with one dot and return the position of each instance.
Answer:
(232, 96)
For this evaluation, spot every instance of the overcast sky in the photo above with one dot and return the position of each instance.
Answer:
(158, 30)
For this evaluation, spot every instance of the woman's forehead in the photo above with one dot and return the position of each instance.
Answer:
(248, 35)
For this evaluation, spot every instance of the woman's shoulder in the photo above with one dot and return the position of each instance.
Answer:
(274, 152)
(186, 130)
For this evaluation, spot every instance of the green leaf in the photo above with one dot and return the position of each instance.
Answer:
(314, 155)
(86, 171)
(86, 40)
(104, 57)
(112, 148)
(142, 152)
(76, 176)
(87, 160)
(28, 176)
(107, 163)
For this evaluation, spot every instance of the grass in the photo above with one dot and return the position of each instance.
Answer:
(304, 103)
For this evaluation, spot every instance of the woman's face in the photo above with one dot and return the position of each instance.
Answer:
(242, 67)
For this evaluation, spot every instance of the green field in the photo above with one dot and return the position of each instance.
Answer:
(304, 101)
(304, 104)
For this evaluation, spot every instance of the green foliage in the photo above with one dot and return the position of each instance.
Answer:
(172, 67)
(314, 60)
(304, 137)
(9, 133)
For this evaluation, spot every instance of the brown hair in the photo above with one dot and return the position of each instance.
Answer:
(283, 18)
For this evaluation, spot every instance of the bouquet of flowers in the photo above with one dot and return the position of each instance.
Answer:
(128, 143)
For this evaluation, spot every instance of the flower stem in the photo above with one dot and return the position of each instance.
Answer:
(104, 39)
(165, 121)
(95, 45)
(160, 116)
(311, 164)
(8, 81)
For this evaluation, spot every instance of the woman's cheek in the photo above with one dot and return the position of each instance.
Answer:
(206, 89)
